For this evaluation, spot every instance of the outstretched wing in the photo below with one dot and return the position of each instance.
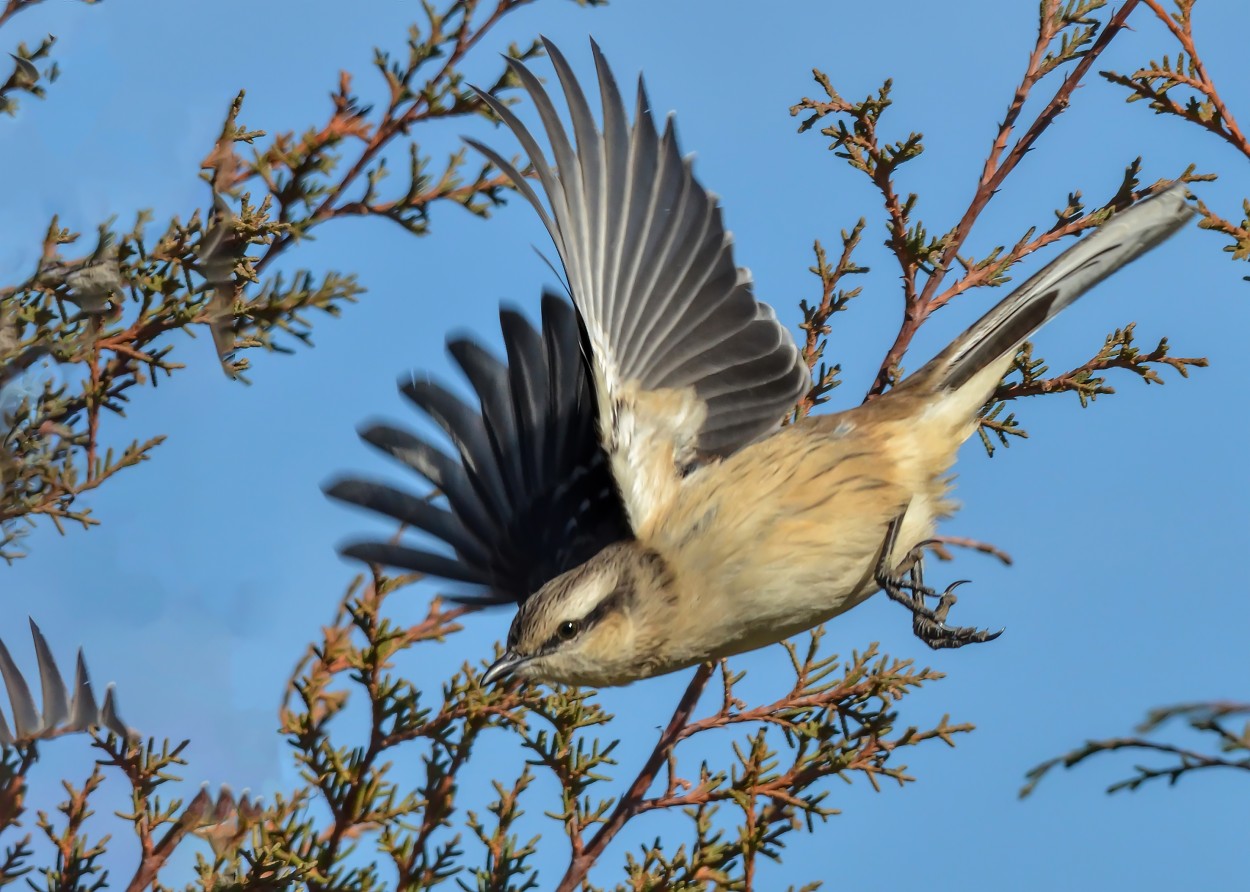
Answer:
(687, 364)
(531, 495)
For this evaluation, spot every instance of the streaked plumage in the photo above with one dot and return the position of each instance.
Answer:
(626, 480)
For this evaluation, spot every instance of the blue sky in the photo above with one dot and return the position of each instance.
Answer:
(214, 564)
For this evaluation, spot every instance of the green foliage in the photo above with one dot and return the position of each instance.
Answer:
(1074, 26)
(26, 76)
(833, 299)
(1118, 351)
(855, 138)
(358, 824)
(1239, 233)
(997, 426)
(76, 869)
(108, 314)
(107, 320)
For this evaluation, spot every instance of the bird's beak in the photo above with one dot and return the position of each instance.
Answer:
(503, 667)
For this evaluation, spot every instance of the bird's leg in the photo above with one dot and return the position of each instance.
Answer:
(929, 624)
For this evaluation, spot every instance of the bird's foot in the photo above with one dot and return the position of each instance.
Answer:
(929, 623)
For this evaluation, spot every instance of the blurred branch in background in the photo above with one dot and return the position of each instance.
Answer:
(1070, 39)
(1230, 748)
(100, 322)
(1177, 86)
(1180, 87)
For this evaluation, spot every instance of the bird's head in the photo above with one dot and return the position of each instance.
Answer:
(592, 625)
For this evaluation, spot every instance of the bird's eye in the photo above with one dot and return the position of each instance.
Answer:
(568, 630)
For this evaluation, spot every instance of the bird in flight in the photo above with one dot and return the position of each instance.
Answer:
(625, 478)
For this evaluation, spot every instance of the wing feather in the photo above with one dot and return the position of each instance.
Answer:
(529, 494)
(667, 360)
(651, 271)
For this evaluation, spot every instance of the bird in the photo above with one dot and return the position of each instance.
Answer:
(626, 478)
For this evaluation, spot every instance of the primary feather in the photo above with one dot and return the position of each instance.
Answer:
(529, 494)
(650, 268)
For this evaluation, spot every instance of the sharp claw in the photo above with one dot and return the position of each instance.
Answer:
(929, 624)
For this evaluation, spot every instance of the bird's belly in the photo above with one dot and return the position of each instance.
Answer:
(751, 602)
(794, 601)
(791, 536)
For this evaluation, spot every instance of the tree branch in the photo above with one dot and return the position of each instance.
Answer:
(994, 172)
(633, 801)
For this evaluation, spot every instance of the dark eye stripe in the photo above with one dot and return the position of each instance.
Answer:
(615, 600)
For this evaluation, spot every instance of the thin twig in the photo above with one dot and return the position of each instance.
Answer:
(993, 174)
(632, 802)
(13, 7)
(394, 123)
(1185, 36)
(938, 546)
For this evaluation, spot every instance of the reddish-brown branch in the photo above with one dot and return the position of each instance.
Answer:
(360, 208)
(13, 7)
(1184, 35)
(768, 713)
(816, 323)
(983, 275)
(1213, 221)
(93, 411)
(394, 123)
(750, 822)
(632, 802)
(156, 854)
(868, 758)
(829, 288)
(938, 545)
(13, 787)
(1073, 379)
(993, 174)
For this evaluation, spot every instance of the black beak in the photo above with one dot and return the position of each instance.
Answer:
(503, 667)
